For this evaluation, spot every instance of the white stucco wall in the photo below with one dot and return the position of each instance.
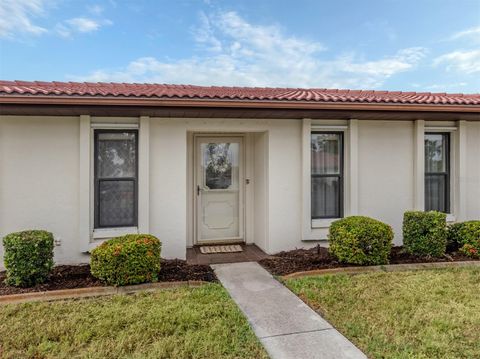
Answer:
(168, 174)
(385, 171)
(39, 180)
(285, 186)
(40, 161)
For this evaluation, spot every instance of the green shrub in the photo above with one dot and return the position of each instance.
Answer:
(425, 233)
(360, 240)
(452, 237)
(130, 259)
(28, 257)
(466, 237)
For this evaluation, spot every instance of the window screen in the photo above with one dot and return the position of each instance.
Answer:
(437, 172)
(327, 174)
(115, 178)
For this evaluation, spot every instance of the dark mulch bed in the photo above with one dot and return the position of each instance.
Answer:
(299, 260)
(177, 270)
(69, 277)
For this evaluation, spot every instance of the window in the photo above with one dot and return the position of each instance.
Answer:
(327, 175)
(437, 172)
(116, 172)
(218, 161)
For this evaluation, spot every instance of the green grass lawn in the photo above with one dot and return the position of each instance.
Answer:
(182, 323)
(417, 314)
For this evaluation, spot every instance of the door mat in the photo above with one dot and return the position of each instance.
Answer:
(221, 249)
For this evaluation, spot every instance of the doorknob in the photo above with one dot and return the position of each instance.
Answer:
(198, 190)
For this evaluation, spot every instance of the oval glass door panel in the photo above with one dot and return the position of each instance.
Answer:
(218, 189)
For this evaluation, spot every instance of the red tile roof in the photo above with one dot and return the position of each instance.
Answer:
(240, 94)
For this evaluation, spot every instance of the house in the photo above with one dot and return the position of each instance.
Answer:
(194, 165)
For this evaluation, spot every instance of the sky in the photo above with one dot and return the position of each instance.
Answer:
(405, 45)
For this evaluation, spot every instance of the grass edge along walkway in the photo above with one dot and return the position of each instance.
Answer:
(422, 313)
(201, 322)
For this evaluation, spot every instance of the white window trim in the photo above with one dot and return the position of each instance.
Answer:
(317, 229)
(84, 189)
(458, 162)
(322, 222)
(105, 233)
(144, 175)
(89, 236)
(115, 126)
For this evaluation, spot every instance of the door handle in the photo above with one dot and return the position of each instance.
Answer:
(198, 190)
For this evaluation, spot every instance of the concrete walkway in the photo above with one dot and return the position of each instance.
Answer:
(286, 326)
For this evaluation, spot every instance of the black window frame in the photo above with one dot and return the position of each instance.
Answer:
(446, 174)
(97, 180)
(340, 175)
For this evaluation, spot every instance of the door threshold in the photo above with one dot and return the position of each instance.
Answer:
(218, 242)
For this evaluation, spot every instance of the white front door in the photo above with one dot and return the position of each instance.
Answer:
(219, 188)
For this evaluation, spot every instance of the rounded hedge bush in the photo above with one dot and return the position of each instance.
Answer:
(129, 259)
(28, 257)
(466, 237)
(425, 233)
(360, 240)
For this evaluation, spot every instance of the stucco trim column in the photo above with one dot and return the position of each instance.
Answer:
(419, 165)
(306, 185)
(84, 225)
(461, 172)
(352, 208)
(144, 175)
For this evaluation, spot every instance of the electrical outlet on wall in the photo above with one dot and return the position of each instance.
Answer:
(58, 241)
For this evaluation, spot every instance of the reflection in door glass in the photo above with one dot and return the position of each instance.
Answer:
(219, 160)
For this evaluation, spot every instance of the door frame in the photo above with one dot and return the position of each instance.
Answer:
(242, 188)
